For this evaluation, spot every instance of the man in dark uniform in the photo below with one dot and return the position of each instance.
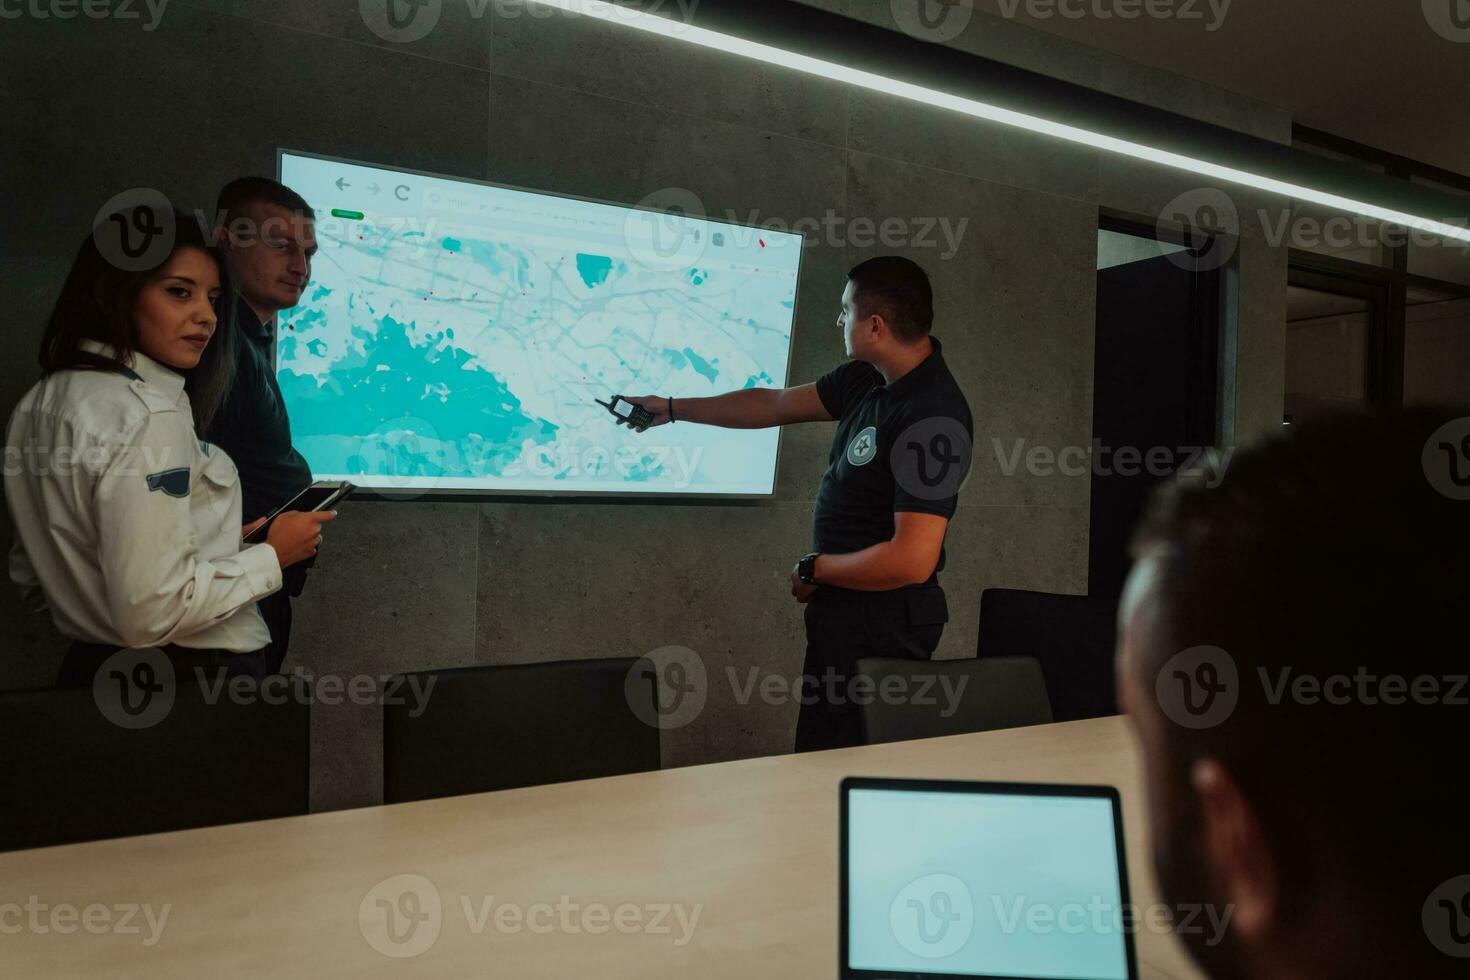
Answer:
(892, 482)
(269, 239)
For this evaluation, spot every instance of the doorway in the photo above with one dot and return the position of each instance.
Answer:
(1155, 380)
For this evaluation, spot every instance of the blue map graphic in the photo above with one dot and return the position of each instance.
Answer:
(427, 360)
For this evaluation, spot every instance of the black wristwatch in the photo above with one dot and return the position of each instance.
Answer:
(806, 568)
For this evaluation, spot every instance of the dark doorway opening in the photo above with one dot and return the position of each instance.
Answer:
(1156, 379)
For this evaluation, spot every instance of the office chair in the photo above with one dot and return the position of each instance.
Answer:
(951, 697)
(491, 728)
(77, 765)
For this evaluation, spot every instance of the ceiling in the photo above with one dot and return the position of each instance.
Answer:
(1374, 71)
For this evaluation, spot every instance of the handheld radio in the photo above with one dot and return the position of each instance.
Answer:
(637, 416)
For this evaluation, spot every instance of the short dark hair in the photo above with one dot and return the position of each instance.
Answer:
(898, 290)
(98, 300)
(243, 191)
(1330, 549)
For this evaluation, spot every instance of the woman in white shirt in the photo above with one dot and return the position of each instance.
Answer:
(128, 526)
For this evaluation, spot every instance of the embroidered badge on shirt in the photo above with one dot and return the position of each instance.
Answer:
(864, 446)
(175, 483)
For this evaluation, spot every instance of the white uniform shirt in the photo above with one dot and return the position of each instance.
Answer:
(125, 522)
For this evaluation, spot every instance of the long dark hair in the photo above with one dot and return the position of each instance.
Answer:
(100, 296)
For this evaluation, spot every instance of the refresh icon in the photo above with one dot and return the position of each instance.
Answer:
(401, 192)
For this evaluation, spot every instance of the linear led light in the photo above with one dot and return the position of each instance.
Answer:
(678, 30)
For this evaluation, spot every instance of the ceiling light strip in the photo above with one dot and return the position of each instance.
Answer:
(681, 31)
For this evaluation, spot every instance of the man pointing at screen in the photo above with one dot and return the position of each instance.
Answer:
(892, 482)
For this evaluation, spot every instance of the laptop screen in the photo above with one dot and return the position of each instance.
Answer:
(983, 880)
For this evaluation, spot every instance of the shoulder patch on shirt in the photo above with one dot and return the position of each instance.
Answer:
(174, 482)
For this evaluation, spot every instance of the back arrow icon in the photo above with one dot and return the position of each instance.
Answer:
(342, 184)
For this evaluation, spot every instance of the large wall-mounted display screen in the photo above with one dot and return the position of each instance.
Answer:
(456, 337)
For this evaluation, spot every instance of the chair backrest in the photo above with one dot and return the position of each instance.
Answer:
(78, 766)
(479, 729)
(1072, 636)
(928, 698)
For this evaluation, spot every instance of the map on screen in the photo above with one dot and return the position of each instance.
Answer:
(457, 336)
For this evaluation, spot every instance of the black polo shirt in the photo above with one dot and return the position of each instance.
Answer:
(900, 447)
(253, 428)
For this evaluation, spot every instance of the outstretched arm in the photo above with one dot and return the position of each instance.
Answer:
(747, 408)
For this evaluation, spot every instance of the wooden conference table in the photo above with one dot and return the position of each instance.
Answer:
(753, 842)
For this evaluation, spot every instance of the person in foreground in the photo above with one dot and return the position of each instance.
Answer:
(128, 526)
(899, 456)
(1292, 660)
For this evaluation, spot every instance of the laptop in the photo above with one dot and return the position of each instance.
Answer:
(944, 878)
